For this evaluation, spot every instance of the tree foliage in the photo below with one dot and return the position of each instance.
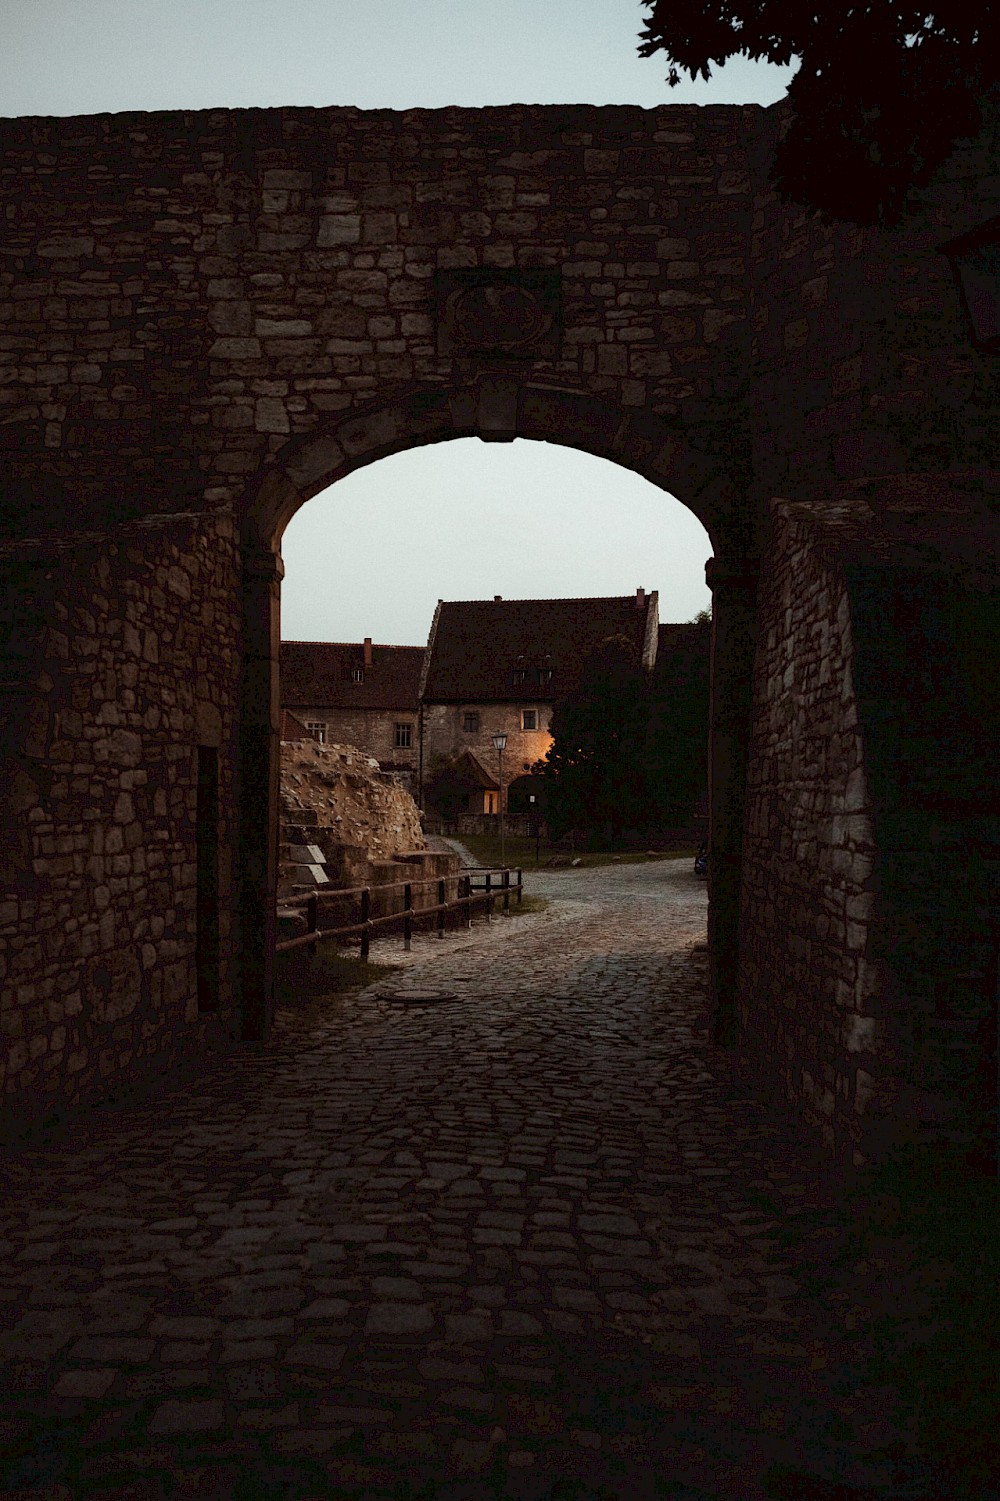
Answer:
(883, 91)
(591, 768)
(629, 748)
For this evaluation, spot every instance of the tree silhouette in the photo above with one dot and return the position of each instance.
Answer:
(882, 94)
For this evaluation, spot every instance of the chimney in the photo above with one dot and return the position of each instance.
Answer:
(640, 598)
(368, 651)
(497, 598)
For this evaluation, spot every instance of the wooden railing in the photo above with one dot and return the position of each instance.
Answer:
(471, 895)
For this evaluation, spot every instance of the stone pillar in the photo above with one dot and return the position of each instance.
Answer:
(734, 620)
(260, 752)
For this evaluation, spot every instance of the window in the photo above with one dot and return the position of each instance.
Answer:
(545, 677)
(470, 724)
(403, 738)
(319, 730)
(519, 676)
(529, 719)
(357, 674)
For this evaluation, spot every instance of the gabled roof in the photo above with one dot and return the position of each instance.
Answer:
(470, 763)
(478, 645)
(317, 674)
(294, 729)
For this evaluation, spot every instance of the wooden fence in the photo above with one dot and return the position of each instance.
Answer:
(471, 894)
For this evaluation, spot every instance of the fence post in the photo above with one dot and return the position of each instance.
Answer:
(520, 883)
(441, 896)
(407, 918)
(468, 901)
(506, 890)
(365, 934)
(489, 899)
(312, 922)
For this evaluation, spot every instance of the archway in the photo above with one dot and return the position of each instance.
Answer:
(495, 408)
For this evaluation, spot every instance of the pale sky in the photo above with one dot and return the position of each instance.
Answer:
(461, 520)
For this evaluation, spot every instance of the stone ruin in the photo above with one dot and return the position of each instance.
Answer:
(345, 823)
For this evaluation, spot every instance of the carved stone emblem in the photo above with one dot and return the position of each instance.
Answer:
(498, 313)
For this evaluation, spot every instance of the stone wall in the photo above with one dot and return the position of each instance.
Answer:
(188, 291)
(445, 737)
(207, 317)
(121, 660)
(355, 804)
(869, 402)
(807, 1017)
(372, 731)
(867, 957)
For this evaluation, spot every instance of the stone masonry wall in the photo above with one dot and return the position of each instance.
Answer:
(444, 736)
(805, 1006)
(371, 730)
(126, 657)
(869, 401)
(872, 415)
(187, 291)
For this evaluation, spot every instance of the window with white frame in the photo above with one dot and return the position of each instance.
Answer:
(529, 719)
(403, 736)
(317, 729)
(357, 674)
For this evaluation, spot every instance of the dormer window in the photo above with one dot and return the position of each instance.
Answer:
(544, 677)
(357, 674)
(519, 676)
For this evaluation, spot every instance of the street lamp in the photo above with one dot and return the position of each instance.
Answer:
(500, 741)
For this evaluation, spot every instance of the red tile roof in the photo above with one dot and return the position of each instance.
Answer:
(316, 674)
(480, 644)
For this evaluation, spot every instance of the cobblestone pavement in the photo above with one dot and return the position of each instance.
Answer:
(519, 1244)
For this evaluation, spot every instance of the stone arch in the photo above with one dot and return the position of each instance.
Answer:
(494, 408)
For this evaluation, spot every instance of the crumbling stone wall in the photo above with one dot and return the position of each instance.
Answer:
(125, 656)
(372, 731)
(355, 803)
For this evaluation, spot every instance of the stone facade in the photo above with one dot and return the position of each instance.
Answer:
(445, 738)
(208, 317)
(372, 731)
(357, 693)
(499, 666)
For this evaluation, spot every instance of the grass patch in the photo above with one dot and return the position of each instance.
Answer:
(528, 904)
(302, 977)
(519, 850)
(931, 1231)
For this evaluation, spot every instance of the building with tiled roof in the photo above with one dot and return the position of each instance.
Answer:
(499, 665)
(358, 693)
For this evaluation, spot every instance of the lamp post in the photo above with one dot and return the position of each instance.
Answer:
(500, 741)
(537, 820)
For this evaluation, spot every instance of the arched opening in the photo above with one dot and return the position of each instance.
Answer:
(494, 409)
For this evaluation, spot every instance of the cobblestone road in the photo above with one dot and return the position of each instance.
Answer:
(519, 1244)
